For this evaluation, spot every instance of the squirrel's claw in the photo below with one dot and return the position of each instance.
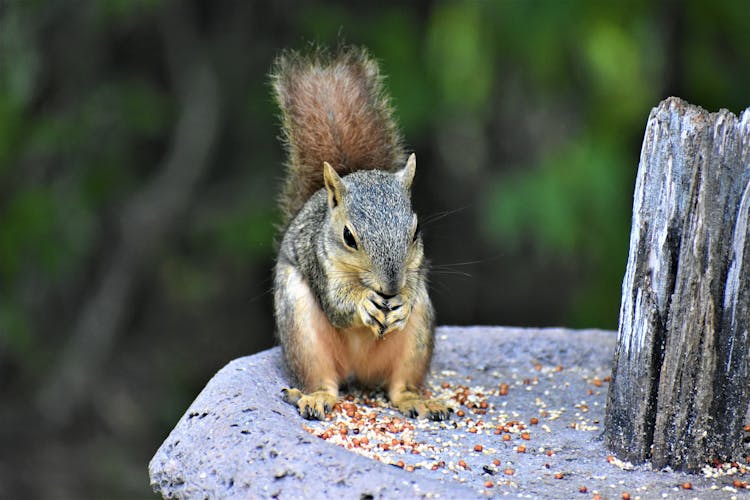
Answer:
(383, 315)
(432, 409)
(313, 406)
(372, 314)
(290, 395)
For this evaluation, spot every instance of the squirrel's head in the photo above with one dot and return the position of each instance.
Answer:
(372, 228)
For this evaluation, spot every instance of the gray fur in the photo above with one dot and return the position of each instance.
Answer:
(379, 209)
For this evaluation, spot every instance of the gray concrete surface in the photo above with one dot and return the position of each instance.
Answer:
(239, 440)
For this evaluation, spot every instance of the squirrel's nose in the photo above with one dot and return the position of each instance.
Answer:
(390, 287)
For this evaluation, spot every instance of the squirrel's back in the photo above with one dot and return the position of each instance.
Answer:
(334, 109)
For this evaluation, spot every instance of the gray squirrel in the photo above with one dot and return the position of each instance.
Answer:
(350, 279)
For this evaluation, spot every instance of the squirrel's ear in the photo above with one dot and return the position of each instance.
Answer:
(334, 185)
(406, 174)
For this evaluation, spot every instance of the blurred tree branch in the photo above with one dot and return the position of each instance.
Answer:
(145, 224)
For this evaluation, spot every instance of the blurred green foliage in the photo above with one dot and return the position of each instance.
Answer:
(527, 118)
(73, 148)
(596, 68)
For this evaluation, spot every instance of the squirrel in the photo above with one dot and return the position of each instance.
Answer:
(350, 281)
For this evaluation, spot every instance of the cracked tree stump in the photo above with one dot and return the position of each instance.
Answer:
(679, 392)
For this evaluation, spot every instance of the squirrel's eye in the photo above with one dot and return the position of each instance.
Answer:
(349, 238)
(417, 233)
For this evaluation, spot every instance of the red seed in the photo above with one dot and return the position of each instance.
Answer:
(559, 475)
(687, 486)
(533, 421)
(503, 389)
(550, 453)
(625, 496)
(521, 448)
(400, 463)
(473, 430)
(526, 436)
(610, 458)
(583, 489)
(509, 472)
(461, 463)
(483, 405)
(496, 462)
(477, 447)
(497, 431)
(506, 437)
(488, 484)
(409, 468)
(460, 413)
(445, 385)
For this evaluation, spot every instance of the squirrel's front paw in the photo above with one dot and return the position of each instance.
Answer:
(397, 315)
(383, 315)
(372, 311)
(312, 406)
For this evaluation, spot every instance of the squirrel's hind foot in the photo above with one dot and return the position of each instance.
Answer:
(432, 409)
(312, 406)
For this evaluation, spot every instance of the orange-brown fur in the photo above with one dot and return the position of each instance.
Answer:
(334, 109)
(331, 354)
(350, 283)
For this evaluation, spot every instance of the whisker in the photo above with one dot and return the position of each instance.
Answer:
(265, 292)
(468, 262)
(441, 215)
(439, 287)
(452, 272)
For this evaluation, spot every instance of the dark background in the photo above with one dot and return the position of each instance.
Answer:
(139, 166)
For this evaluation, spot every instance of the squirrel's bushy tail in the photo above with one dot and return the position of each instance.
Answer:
(334, 109)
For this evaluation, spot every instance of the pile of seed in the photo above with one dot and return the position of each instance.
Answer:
(482, 442)
(498, 438)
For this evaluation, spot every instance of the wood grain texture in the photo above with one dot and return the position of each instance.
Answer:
(680, 381)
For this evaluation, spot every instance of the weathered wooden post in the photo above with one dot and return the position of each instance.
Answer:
(679, 392)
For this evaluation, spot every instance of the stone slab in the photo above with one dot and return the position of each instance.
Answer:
(239, 440)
